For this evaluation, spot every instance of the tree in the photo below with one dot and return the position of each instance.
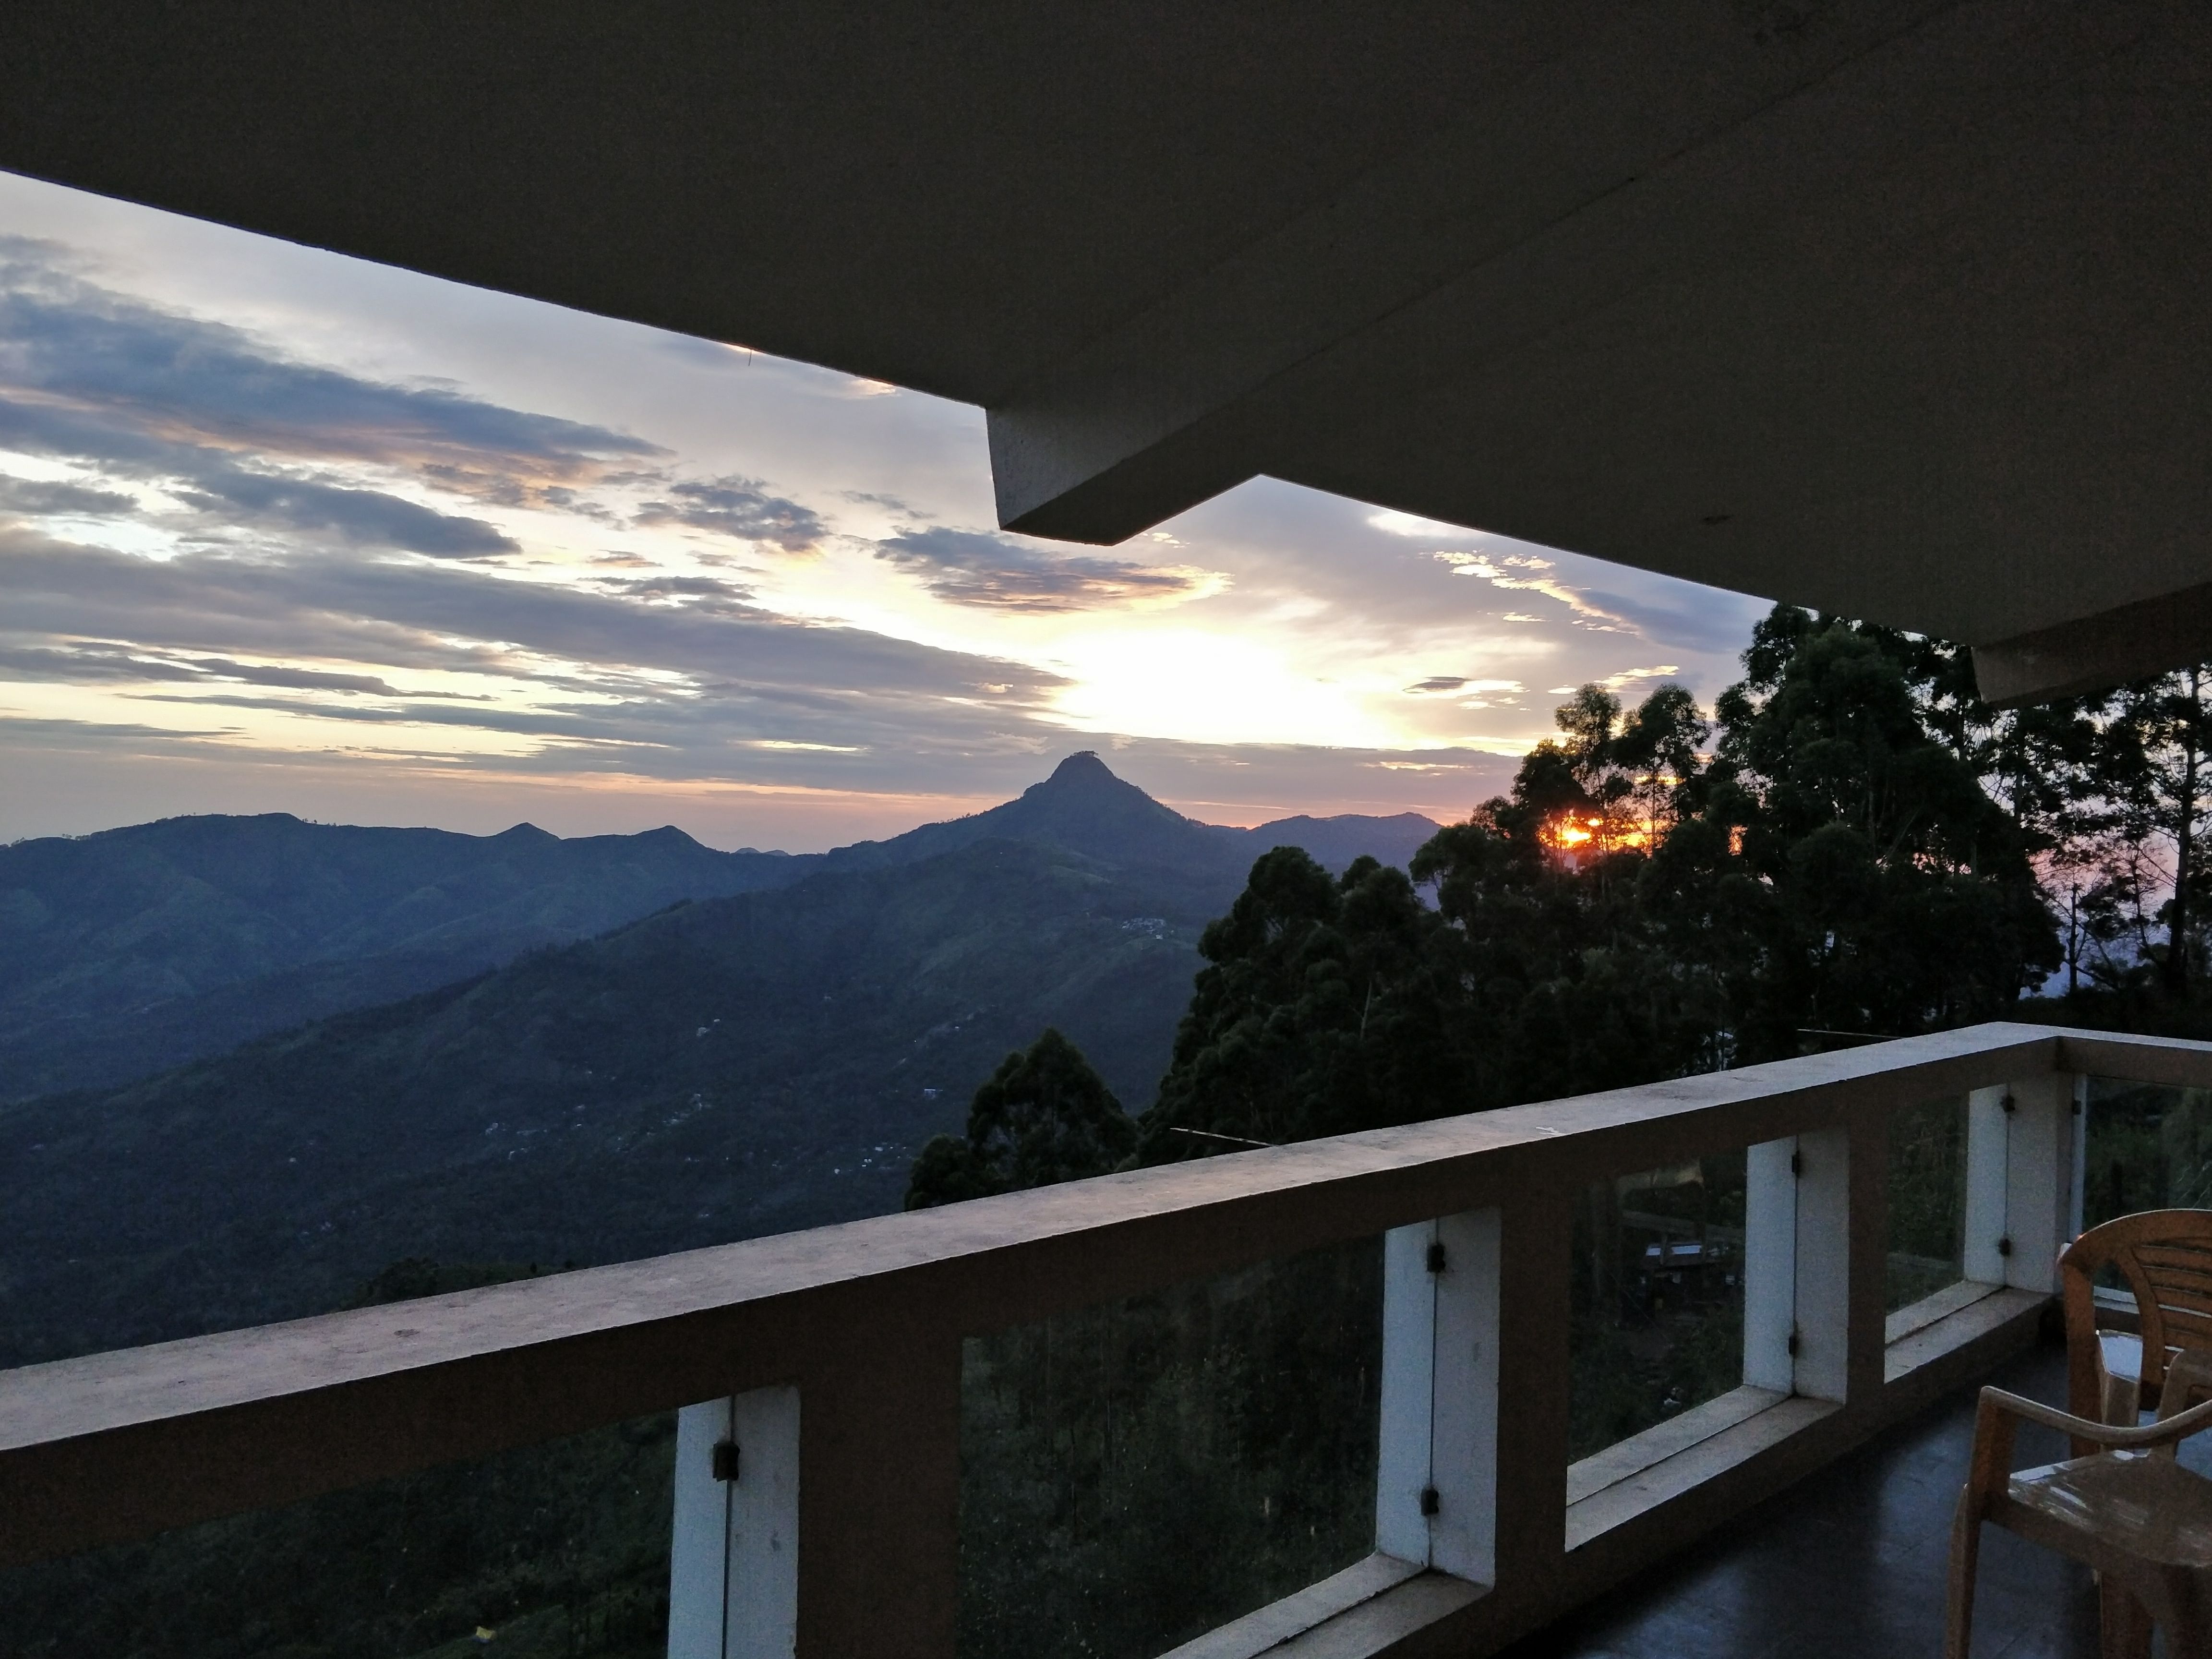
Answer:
(2109, 793)
(1842, 866)
(1333, 1006)
(1044, 1116)
(1325, 1006)
(1566, 986)
(2153, 778)
(1611, 779)
(1632, 911)
(1660, 747)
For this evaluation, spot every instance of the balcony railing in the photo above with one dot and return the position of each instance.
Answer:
(817, 1487)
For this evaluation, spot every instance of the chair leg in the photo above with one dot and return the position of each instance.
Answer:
(1966, 1554)
(2186, 1635)
(2184, 1640)
(2122, 1622)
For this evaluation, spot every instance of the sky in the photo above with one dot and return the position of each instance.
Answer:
(282, 530)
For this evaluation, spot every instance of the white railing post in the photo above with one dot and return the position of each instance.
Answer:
(1822, 1371)
(733, 1560)
(2038, 1181)
(1796, 1266)
(1770, 1264)
(1436, 1498)
(2022, 1188)
(1988, 1132)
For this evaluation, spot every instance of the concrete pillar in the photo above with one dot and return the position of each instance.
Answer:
(1533, 1340)
(879, 1534)
(734, 1561)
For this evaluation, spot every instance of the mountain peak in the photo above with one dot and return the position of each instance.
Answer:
(1083, 763)
(1081, 774)
(1082, 806)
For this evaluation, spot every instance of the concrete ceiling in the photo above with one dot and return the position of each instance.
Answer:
(1893, 308)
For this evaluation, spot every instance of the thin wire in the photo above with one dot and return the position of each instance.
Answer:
(1208, 1134)
(729, 1522)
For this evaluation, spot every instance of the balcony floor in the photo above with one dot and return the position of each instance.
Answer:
(1852, 1560)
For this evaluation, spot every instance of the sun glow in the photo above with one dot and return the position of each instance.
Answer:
(1574, 835)
(1197, 686)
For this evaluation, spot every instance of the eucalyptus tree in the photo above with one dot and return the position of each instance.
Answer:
(1044, 1116)
(1843, 867)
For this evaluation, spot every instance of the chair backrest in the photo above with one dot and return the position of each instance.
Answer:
(2166, 1257)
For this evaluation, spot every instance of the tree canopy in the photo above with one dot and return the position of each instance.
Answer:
(1326, 1005)
(1633, 909)
(1043, 1116)
(1839, 867)
(1853, 845)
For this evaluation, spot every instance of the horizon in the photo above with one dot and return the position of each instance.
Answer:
(527, 824)
(285, 530)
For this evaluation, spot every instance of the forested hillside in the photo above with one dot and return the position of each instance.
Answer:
(731, 1067)
(132, 950)
(720, 1069)
(128, 951)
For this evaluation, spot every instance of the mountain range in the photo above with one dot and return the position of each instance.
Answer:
(132, 950)
(727, 1065)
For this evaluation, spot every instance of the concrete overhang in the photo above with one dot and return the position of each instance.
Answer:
(1891, 308)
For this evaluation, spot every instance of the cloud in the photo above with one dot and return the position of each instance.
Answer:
(676, 676)
(1455, 683)
(40, 497)
(711, 591)
(998, 572)
(362, 517)
(311, 545)
(1391, 522)
(878, 498)
(43, 733)
(1522, 572)
(129, 370)
(738, 508)
(1676, 615)
(443, 615)
(88, 665)
(94, 661)
(302, 679)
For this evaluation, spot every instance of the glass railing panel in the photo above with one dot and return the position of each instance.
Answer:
(1927, 1177)
(1137, 1473)
(2146, 1147)
(1657, 1294)
(561, 1549)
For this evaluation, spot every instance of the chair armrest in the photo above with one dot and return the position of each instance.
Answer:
(2111, 1435)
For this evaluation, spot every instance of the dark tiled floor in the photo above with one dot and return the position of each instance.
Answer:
(1853, 1561)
